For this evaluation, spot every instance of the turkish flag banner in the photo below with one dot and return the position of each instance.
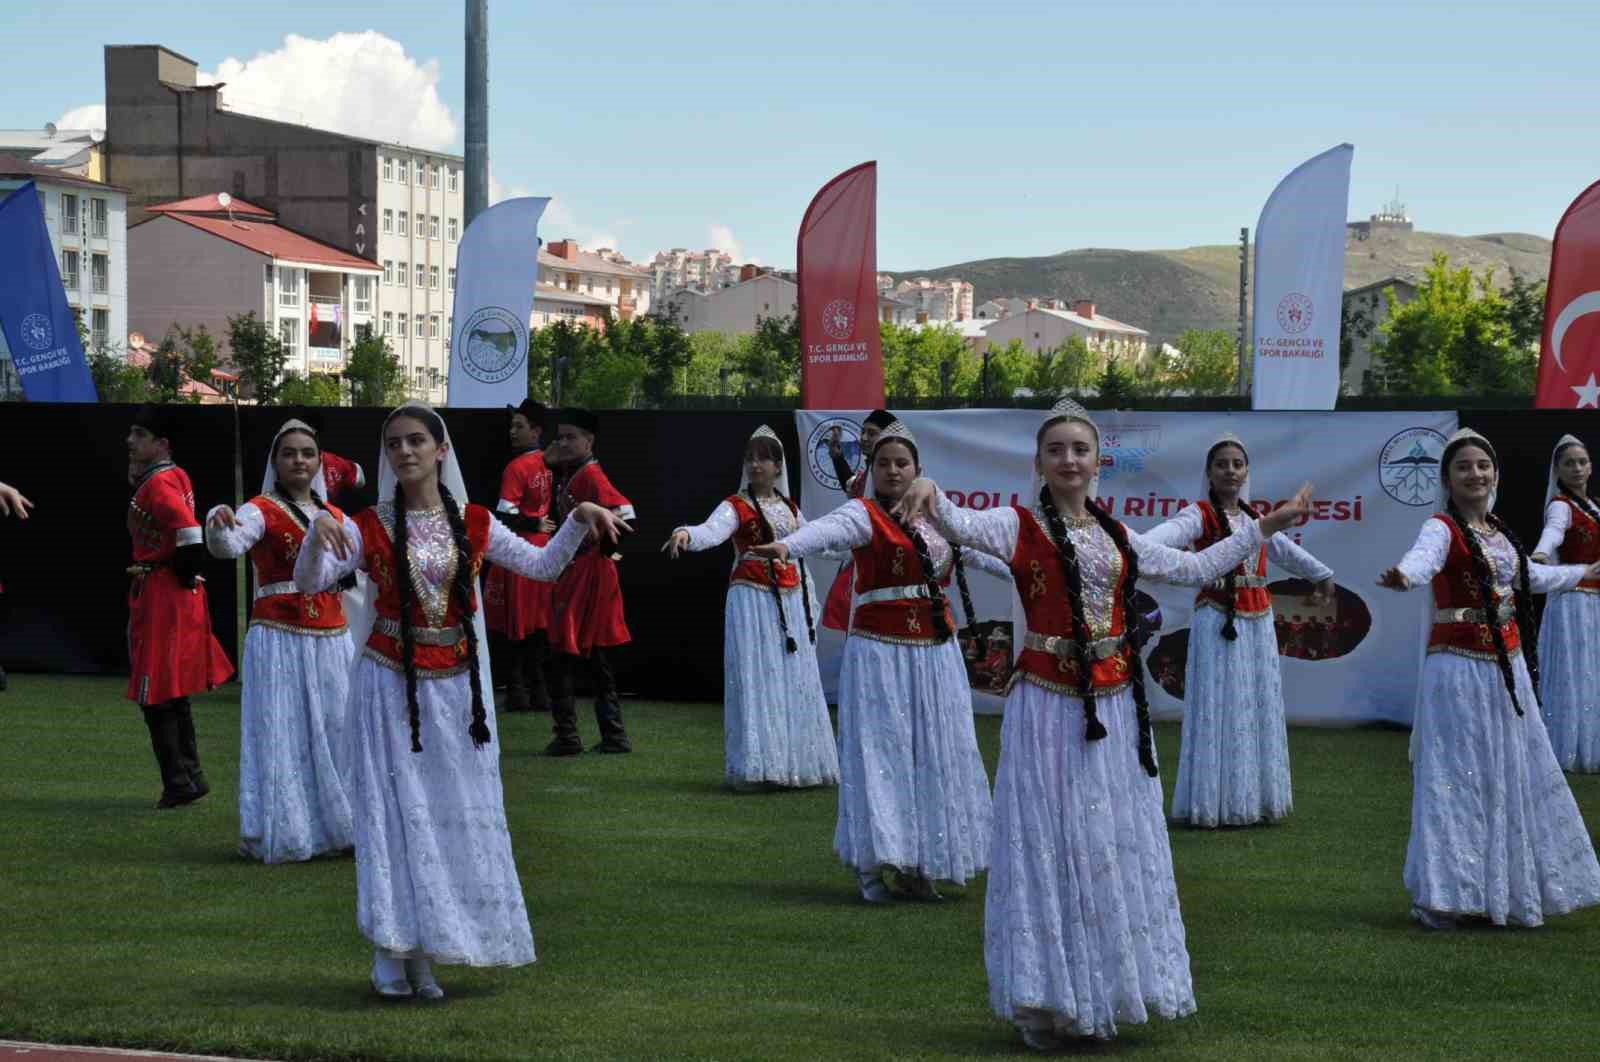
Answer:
(1569, 356)
(841, 357)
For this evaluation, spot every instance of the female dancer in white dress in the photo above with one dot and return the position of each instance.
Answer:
(1495, 832)
(435, 878)
(292, 802)
(1569, 638)
(1082, 928)
(1233, 769)
(913, 792)
(777, 730)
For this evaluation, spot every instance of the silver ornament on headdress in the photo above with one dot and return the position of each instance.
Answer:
(781, 484)
(896, 430)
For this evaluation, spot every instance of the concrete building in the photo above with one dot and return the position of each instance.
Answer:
(735, 310)
(616, 282)
(1042, 330)
(940, 300)
(88, 224)
(1365, 309)
(200, 261)
(551, 304)
(678, 268)
(169, 138)
(74, 151)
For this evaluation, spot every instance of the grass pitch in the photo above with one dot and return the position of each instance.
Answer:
(675, 919)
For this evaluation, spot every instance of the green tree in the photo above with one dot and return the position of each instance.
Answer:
(917, 361)
(714, 358)
(319, 389)
(1116, 386)
(375, 374)
(668, 353)
(770, 361)
(1207, 362)
(1002, 372)
(258, 355)
(1069, 369)
(1524, 311)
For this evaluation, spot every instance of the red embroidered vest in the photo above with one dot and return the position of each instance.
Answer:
(1049, 653)
(754, 571)
(892, 603)
(278, 603)
(1581, 545)
(439, 638)
(1460, 624)
(1250, 594)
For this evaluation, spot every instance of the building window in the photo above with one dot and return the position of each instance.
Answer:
(288, 287)
(433, 226)
(422, 327)
(388, 271)
(608, 285)
(433, 176)
(450, 278)
(420, 175)
(402, 329)
(402, 277)
(99, 218)
(388, 222)
(388, 323)
(363, 294)
(455, 179)
(433, 277)
(289, 333)
(388, 169)
(402, 174)
(69, 215)
(452, 228)
(422, 275)
(405, 224)
(100, 329)
(100, 271)
(69, 268)
(433, 326)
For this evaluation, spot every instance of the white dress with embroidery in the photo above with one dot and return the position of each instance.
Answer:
(1494, 829)
(1082, 928)
(435, 877)
(1233, 767)
(913, 791)
(1569, 660)
(292, 800)
(776, 725)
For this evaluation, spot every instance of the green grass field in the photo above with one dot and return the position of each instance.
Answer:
(677, 920)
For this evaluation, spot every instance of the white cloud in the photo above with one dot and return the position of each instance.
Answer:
(722, 239)
(89, 116)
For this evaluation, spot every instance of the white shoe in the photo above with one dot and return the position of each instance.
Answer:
(389, 976)
(420, 976)
(873, 890)
(1433, 919)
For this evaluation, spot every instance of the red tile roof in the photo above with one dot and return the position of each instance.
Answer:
(207, 204)
(275, 241)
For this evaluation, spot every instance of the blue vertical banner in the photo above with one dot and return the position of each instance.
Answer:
(496, 270)
(38, 324)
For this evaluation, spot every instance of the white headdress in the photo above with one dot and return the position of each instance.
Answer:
(1555, 455)
(782, 482)
(269, 482)
(1070, 409)
(1466, 435)
(1227, 438)
(362, 616)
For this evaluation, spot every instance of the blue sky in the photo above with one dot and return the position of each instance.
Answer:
(1020, 129)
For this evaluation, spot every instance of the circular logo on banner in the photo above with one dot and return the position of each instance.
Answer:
(36, 331)
(817, 450)
(1294, 313)
(493, 345)
(839, 319)
(1408, 466)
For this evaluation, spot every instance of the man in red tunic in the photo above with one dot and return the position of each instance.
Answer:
(173, 652)
(517, 610)
(587, 615)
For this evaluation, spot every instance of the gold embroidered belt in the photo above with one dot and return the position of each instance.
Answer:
(1067, 648)
(275, 589)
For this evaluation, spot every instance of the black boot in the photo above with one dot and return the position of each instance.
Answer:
(516, 681)
(564, 716)
(176, 788)
(2, 680)
(607, 709)
(188, 748)
(534, 653)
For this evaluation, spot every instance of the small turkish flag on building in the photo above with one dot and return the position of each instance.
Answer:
(1569, 356)
(313, 316)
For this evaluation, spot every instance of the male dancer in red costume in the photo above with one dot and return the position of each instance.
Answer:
(517, 610)
(587, 617)
(341, 475)
(170, 643)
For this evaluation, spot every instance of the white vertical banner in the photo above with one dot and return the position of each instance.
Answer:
(1356, 661)
(1299, 285)
(496, 270)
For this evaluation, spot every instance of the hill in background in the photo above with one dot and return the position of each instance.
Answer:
(1166, 292)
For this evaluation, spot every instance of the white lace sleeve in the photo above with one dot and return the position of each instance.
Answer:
(1557, 519)
(1426, 557)
(718, 528)
(840, 531)
(543, 563)
(316, 569)
(1549, 578)
(1181, 532)
(1168, 565)
(974, 558)
(1295, 559)
(993, 531)
(236, 541)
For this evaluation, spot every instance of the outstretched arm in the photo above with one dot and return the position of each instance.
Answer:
(1557, 519)
(1422, 561)
(544, 563)
(846, 528)
(1180, 532)
(718, 528)
(1168, 565)
(232, 534)
(330, 552)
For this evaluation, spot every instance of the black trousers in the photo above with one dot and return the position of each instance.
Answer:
(607, 709)
(171, 726)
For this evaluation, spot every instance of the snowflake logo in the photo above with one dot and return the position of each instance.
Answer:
(1408, 466)
(839, 319)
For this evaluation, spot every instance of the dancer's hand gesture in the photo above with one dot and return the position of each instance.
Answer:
(12, 501)
(1323, 593)
(604, 525)
(918, 500)
(1395, 579)
(1593, 571)
(771, 551)
(222, 519)
(1285, 515)
(329, 534)
(677, 542)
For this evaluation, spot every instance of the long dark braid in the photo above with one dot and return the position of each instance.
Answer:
(1130, 612)
(960, 567)
(1067, 554)
(1527, 626)
(402, 579)
(1582, 501)
(941, 614)
(1229, 581)
(805, 579)
(1484, 574)
(462, 590)
(768, 535)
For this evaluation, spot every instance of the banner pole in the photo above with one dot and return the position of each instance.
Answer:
(1244, 286)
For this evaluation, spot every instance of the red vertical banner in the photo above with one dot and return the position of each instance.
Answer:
(841, 357)
(1569, 356)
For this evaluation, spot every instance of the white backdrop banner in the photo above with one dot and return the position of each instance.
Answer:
(1376, 479)
(1299, 281)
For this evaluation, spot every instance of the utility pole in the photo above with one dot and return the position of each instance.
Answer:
(477, 190)
(1244, 313)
